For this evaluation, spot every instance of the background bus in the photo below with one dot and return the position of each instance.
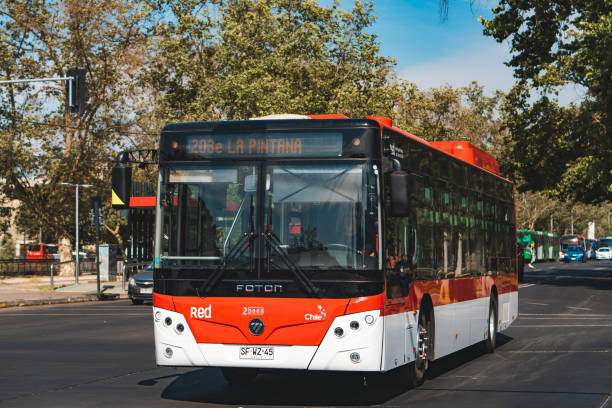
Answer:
(605, 242)
(326, 244)
(571, 239)
(546, 245)
(42, 252)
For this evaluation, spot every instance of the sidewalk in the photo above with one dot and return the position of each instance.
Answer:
(36, 290)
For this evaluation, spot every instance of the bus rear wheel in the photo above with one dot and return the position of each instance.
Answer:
(491, 341)
(418, 368)
(239, 375)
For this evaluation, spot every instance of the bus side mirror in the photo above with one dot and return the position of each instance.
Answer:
(401, 188)
(121, 186)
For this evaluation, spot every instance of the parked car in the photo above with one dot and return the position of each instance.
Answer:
(575, 253)
(140, 287)
(604, 253)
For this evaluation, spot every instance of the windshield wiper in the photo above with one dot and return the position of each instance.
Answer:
(234, 251)
(275, 243)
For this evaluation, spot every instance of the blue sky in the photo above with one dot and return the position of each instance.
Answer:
(431, 52)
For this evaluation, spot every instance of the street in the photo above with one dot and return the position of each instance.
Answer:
(558, 353)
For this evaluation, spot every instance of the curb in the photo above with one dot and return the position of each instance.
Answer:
(40, 302)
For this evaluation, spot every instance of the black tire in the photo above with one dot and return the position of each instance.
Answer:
(492, 327)
(521, 273)
(137, 301)
(239, 376)
(418, 368)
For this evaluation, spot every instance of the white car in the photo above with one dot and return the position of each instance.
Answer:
(603, 253)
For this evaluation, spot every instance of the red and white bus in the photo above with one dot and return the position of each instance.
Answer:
(42, 252)
(327, 243)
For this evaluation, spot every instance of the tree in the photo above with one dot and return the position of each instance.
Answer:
(448, 113)
(555, 43)
(42, 146)
(533, 208)
(7, 248)
(262, 57)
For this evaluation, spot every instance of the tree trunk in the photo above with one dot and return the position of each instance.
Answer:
(117, 236)
(65, 253)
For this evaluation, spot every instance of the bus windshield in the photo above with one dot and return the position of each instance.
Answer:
(268, 218)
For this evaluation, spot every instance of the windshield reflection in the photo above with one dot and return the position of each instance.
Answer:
(314, 216)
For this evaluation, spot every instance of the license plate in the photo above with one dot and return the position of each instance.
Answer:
(146, 290)
(256, 353)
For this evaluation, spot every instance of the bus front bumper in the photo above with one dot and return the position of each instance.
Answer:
(174, 347)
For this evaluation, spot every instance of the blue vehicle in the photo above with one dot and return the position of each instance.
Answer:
(575, 253)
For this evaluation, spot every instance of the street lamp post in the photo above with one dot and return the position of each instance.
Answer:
(76, 238)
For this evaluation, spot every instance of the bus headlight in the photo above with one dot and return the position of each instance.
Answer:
(339, 332)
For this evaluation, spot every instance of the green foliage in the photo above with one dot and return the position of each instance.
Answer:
(7, 248)
(562, 150)
(40, 145)
(448, 113)
(256, 58)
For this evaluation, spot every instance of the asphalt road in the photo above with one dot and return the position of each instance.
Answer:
(558, 353)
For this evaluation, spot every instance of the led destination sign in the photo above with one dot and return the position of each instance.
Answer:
(265, 145)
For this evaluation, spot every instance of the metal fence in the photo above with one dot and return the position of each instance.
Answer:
(22, 267)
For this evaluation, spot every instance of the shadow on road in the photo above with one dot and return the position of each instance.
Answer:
(592, 274)
(206, 385)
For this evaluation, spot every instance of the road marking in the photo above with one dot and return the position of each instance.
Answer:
(564, 318)
(558, 351)
(565, 314)
(579, 308)
(539, 304)
(605, 401)
(564, 325)
(525, 285)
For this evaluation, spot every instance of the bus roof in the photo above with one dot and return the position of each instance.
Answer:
(461, 150)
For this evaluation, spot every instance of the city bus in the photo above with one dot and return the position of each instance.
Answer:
(605, 242)
(571, 239)
(42, 252)
(546, 245)
(326, 243)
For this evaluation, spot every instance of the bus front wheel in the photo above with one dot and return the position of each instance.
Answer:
(239, 375)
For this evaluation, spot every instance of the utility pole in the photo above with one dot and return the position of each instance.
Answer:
(96, 203)
(551, 223)
(77, 268)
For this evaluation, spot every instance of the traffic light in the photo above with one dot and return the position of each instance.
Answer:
(76, 91)
(121, 186)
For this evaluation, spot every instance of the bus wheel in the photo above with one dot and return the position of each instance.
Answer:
(491, 340)
(418, 368)
(239, 375)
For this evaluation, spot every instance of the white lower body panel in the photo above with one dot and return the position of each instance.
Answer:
(174, 348)
(388, 342)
